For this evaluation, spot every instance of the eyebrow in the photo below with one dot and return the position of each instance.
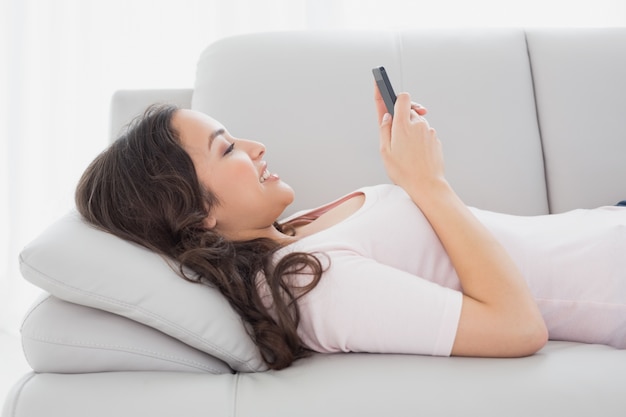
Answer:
(214, 135)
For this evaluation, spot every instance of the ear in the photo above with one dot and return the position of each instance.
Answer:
(210, 221)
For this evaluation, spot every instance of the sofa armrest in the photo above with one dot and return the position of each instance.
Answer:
(127, 104)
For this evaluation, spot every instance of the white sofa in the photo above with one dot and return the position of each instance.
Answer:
(532, 122)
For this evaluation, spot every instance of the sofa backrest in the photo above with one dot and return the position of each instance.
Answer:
(580, 84)
(308, 97)
(531, 121)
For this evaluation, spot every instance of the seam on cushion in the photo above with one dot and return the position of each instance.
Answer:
(18, 394)
(32, 310)
(130, 350)
(399, 46)
(28, 314)
(131, 307)
(236, 394)
(538, 119)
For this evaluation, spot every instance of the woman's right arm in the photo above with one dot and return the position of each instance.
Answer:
(499, 317)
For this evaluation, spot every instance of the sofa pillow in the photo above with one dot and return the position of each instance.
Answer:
(77, 263)
(63, 337)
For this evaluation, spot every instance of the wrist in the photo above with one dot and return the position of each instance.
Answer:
(430, 190)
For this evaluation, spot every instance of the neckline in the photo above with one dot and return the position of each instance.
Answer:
(314, 214)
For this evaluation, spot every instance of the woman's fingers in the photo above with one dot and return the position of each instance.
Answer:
(385, 133)
(408, 110)
(421, 110)
(381, 108)
(403, 107)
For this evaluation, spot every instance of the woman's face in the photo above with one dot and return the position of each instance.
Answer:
(250, 197)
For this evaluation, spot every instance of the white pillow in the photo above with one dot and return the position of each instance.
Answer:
(62, 337)
(80, 264)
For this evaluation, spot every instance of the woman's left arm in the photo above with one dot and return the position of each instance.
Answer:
(499, 316)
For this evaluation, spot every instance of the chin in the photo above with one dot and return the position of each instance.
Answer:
(290, 194)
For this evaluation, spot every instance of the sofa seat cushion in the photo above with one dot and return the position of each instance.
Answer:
(563, 379)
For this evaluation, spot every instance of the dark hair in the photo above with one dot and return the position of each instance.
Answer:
(144, 188)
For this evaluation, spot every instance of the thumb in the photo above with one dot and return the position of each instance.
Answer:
(385, 132)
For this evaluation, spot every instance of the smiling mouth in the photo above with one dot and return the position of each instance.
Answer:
(266, 174)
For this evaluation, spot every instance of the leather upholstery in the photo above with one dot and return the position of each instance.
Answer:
(80, 264)
(308, 98)
(94, 340)
(580, 85)
(507, 105)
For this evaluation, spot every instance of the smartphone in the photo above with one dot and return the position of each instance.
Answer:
(385, 88)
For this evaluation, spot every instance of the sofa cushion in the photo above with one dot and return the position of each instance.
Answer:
(63, 337)
(77, 263)
(564, 379)
(581, 89)
(308, 97)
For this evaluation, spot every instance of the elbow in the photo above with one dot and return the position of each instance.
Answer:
(502, 332)
(524, 338)
(540, 337)
(530, 333)
(532, 338)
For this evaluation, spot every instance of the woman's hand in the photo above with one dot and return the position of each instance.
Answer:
(381, 108)
(499, 316)
(409, 147)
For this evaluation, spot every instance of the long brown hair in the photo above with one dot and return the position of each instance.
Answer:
(144, 188)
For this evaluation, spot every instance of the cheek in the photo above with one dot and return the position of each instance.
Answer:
(234, 182)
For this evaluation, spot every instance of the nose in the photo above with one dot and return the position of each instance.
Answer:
(256, 150)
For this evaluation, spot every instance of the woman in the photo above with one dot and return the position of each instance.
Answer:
(404, 268)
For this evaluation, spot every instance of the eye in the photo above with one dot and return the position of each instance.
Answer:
(229, 149)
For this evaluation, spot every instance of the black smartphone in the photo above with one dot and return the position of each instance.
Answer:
(385, 88)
